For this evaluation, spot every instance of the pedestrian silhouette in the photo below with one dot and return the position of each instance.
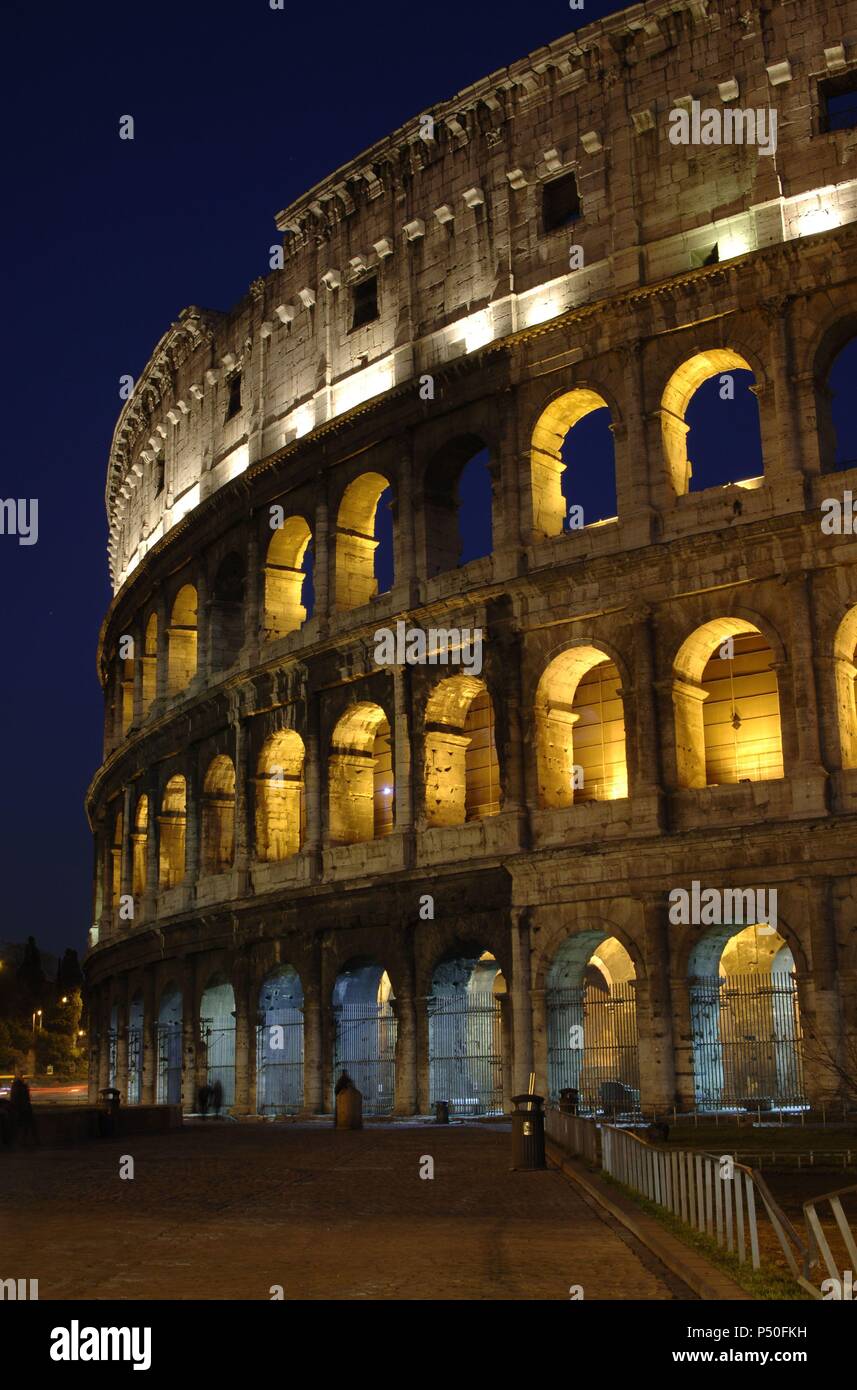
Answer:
(217, 1097)
(204, 1097)
(343, 1084)
(23, 1119)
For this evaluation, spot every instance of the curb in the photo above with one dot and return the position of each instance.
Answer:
(709, 1283)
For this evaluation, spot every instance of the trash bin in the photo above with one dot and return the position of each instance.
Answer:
(528, 1132)
(568, 1100)
(349, 1108)
(108, 1118)
(441, 1112)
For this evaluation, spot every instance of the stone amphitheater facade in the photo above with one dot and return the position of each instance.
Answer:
(288, 832)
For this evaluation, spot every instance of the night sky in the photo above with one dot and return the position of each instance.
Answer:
(238, 110)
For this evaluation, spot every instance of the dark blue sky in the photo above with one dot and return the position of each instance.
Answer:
(238, 109)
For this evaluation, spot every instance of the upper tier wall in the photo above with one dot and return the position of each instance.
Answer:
(453, 228)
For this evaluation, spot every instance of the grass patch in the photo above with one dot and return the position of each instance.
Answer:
(764, 1283)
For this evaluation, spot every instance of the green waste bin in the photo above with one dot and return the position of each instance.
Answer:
(528, 1132)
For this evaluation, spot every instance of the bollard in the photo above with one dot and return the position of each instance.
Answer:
(349, 1109)
(441, 1112)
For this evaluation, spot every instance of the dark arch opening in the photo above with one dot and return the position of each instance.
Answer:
(589, 480)
(724, 442)
(458, 505)
(227, 612)
(841, 383)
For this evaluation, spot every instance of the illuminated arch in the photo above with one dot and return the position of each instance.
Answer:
(845, 673)
(365, 1033)
(726, 707)
(547, 466)
(139, 840)
(591, 1004)
(172, 825)
(356, 543)
(465, 1031)
(361, 784)
(218, 816)
(116, 860)
(284, 578)
(280, 801)
(217, 1034)
(181, 637)
(678, 393)
(580, 730)
(280, 1043)
(462, 776)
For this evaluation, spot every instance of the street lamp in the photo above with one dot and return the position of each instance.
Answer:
(37, 1015)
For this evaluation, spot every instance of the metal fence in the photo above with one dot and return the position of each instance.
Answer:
(747, 1046)
(168, 1041)
(112, 1056)
(280, 1062)
(466, 1053)
(135, 1065)
(218, 1039)
(365, 1047)
(593, 1047)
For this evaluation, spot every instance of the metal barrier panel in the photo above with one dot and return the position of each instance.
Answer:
(366, 1049)
(593, 1047)
(135, 1065)
(466, 1053)
(169, 1073)
(747, 1044)
(280, 1062)
(112, 1055)
(219, 1040)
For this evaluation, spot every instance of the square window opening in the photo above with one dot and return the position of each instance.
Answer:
(364, 301)
(560, 203)
(234, 403)
(838, 102)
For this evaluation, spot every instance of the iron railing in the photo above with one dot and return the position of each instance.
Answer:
(218, 1038)
(135, 1065)
(365, 1047)
(168, 1043)
(592, 1047)
(747, 1043)
(280, 1062)
(466, 1052)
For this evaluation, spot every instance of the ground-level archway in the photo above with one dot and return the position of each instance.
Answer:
(365, 1034)
(217, 1034)
(135, 1049)
(168, 1040)
(466, 1036)
(592, 1024)
(280, 1044)
(745, 1020)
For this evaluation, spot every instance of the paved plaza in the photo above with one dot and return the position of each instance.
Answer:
(222, 1210)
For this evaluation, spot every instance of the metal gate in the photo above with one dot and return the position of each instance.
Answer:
(593, 1047)
(466, 1053)
(135, 1065)
(169, 1044)
(747, 1042)
(366, 1049)
(112, 1055)
(280, 1062)
(218, 1039)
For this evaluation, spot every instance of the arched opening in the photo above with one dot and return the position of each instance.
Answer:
(181, 637)
(172, 824)
(218, 816)
(363, 542)
(217, 1036)
(280, 1044)
(365, 1036)
(572, 464)
(135, 1049)
(745, 1020)
(138, 849)
(361, 784)
(466, 1034)
(150, 662)
(462, 775)
(280, 801)
(727, 709)
(168, 1040)
(845, 672)
(834, 392)
(592, 1024)
(711, 433)
(226, 627)
(457, 502)
(288, 579)
(116, 860)
(580, 730)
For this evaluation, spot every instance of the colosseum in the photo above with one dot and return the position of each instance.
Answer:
(464, 720)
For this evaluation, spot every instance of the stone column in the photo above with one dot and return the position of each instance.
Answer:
(203, 644)
(253, 594)
(822, 1024)
(193, 820)
(244, 1103)
(104, 1039)
(402, 750)
(322, 563)
(645, 776)
(162, 679)
(506, 1034)
(406, 1038)
(313, 1047)
(191, 1051)
(150, 898)
(654, 1010)
(127, 853)
(242, 826)
(122, 1045)
(513, 758)
(540, 1043)
(139, 649)
(809, 777)
(312, 782)
(522, 1017)
(787, 458)
(404, 545)
(632, 462)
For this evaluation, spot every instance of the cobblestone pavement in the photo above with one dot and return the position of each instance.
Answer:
(224, 1210)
